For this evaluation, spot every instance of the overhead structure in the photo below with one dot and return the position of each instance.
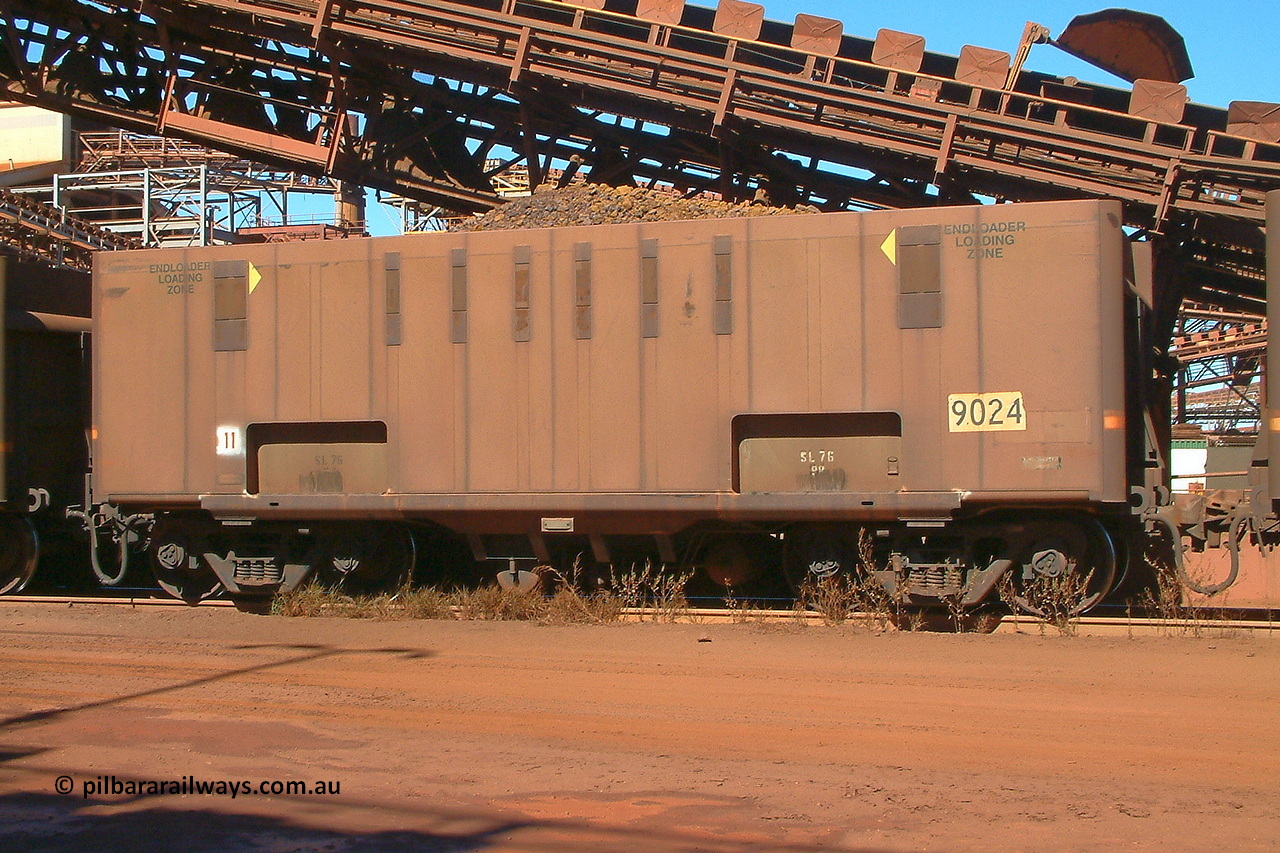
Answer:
(438, 100)
(1219, 356)
(174, 192)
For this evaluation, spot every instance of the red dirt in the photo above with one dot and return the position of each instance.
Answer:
(726, 738)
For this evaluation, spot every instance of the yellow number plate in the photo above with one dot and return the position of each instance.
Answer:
(995, 412)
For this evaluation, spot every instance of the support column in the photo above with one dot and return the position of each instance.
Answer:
(1270, 425)
(349, 205)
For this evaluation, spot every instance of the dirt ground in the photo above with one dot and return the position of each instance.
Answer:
(452, 736)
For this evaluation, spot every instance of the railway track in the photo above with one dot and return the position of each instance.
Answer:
(1202, 625)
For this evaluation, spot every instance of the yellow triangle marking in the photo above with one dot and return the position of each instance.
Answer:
(254, 277)
(890, 247)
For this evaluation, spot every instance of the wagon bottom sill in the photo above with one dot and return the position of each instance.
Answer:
(779, 505)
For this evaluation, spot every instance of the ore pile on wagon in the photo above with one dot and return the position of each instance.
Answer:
(599, 204)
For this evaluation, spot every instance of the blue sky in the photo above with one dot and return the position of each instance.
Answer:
(1232, 43)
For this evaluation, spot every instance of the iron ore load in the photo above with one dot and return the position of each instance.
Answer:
(758, 398)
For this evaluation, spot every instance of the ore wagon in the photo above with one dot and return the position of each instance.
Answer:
(941, 397)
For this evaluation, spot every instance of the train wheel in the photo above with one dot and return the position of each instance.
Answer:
(1065, 569)
(814, 555)
(366, 559)
(176, 564)
(19, 552)
(737, 562)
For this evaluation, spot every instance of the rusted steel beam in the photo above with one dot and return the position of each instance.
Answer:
(436, 82)
(1230, 340)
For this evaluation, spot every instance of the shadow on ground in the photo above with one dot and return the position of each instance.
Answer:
(305, 653)
(69, 824)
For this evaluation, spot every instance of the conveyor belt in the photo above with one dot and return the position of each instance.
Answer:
(34, 230)
(413, 95)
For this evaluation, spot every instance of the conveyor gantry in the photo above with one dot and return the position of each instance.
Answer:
(38, 231)
(413, 96)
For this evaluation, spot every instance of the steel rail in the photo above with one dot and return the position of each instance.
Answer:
(1194, 626)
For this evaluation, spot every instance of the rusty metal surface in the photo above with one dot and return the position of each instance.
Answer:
(1272, 413)
(118, 150)
(660, 11)
(1165, 103)
(1220, 355)
(813, 34)
(1131, 45)
(983, 67)
(38, 321)
(739, 19)
(340, 80)
(630, 423)
(1254, 120)
(899, 51)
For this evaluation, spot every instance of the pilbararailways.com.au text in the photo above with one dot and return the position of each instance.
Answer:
(190, 785)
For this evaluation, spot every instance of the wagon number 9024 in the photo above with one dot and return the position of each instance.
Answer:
(994, 412)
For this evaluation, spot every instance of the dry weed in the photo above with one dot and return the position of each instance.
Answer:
(744, 611)
(1007, 589)
(1170, 604)
(1052, 600)
(1058, 597)
(314, 599)
(310, 599)
(492, 603)
(569, 604)
(832, 597)
(839, 597)
(424, 602)
(651, 587)
(566, 605)
(956, 610)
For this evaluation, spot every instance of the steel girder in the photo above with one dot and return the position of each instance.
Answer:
(412, 96)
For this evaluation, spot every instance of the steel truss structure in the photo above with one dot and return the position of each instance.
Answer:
(416, 97)
(172, 192)
(1219, 356)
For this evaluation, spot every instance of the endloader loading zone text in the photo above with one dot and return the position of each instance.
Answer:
(985, 239)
